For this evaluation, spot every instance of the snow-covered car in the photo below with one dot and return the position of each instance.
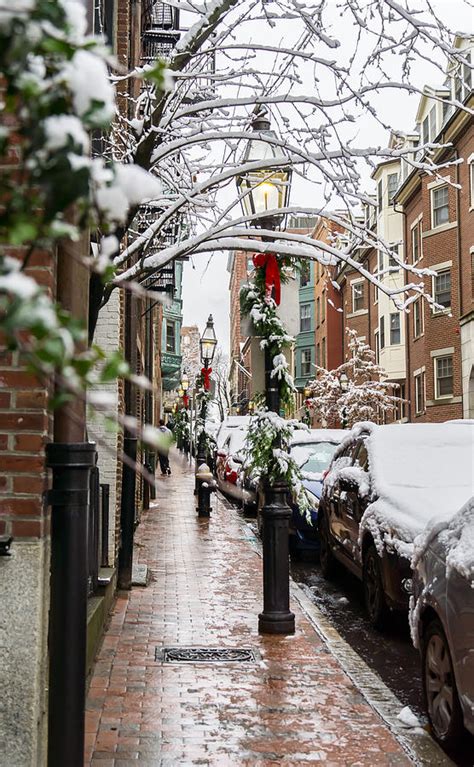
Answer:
(229, 465)
(442, 622)
(312, 451)
(384, 485)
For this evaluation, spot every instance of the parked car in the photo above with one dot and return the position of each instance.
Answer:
(229, 468)
(442, 622)
(312, 450)
(383, 486)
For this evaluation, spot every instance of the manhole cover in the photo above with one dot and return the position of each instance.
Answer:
(205, 655)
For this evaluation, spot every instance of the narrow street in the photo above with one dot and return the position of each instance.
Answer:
(292, 703)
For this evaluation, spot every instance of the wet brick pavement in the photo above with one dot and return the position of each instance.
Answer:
(295, 706)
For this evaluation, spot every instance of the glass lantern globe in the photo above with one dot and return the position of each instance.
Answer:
(208, 343)
(264, 189)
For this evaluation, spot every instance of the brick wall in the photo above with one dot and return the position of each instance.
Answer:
(25, 428)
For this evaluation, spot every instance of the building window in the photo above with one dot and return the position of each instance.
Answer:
(380, 263)
(418, 318)
(443, 376)
(400, 406)
(358, 297)
(318, 355)
(323, 352)
(420, 393)
(439, 206)
(382, 332)
(318, 312)
(380, 196)
(471, 183)
(394, 328)
(392, 262)
(305, 317)
(170, 336)
(305, 362)
(392, 184)
(429, 126)
(305, 273)
(416, 242)
(323, 307)
(377, 346)
(442, 289)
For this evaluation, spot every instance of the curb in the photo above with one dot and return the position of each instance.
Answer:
(419, 745)
(416, 742)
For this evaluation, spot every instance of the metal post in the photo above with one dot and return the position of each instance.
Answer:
(93, 531)
(127, 515)
(276, 617)
(71, 464)
(104, 538)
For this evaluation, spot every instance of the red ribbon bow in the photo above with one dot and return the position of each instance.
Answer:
(185, 400)
(206, 372)
(268, 261)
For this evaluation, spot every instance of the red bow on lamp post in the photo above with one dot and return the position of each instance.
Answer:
(268, 261)
(206, 374)
(185, 400)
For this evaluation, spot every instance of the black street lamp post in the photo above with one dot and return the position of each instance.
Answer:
(263, 190)
(208, 343)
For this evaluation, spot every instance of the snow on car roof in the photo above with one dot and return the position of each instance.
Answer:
(318, 435)
(420, 473)
(231, 423)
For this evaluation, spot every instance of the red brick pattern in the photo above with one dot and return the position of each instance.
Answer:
(25, 428)
(296, 706)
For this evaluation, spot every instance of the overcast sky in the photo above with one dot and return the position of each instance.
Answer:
(206, 280)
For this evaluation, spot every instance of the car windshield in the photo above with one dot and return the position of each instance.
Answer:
(313, 458)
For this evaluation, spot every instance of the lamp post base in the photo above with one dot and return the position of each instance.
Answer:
(276, 616)
(276, 623)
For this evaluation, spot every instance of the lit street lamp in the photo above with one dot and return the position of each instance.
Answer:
(268, 189)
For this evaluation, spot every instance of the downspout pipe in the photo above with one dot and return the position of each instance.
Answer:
(407, 319)
(71, 459)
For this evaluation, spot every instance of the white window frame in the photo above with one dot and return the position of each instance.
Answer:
(354, 286)
(433, 191)
(419, 375)
(419, 304)
(439, 270)
(417, 228)
(392, 314)
(470, 161)
(305, 362)
(305, 317)
(442, 355)
(395, 246)
(391, 193)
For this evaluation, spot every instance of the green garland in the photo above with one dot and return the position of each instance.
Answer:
(267, 455)
(261, 309)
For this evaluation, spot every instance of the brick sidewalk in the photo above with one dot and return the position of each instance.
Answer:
(296, 706)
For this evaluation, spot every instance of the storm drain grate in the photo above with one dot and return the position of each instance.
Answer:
(205, 655)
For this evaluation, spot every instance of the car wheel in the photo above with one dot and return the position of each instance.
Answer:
(374, 595)
(327, 560)
(439, 685)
